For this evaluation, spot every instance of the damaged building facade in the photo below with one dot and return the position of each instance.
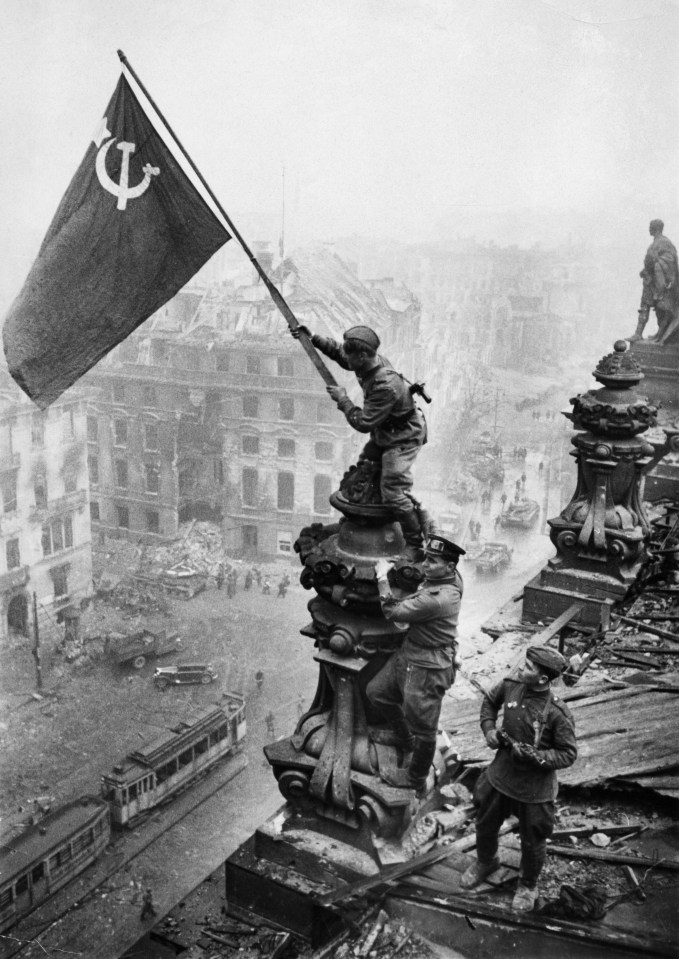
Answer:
(45, 552)
(211, 412)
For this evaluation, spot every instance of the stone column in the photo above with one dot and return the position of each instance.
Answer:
(600, 536)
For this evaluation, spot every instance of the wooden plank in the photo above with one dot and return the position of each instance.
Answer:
(614, 858)
(647, 628)
(391, 873)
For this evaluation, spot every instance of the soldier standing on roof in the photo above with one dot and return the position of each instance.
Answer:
(396, 427)
(536, 739)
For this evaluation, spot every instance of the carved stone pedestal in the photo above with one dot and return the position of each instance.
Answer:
(600, 536)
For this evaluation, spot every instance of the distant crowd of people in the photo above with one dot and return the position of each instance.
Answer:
(229, 576)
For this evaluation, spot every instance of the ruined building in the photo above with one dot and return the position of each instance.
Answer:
(45, 540)
(212, 411)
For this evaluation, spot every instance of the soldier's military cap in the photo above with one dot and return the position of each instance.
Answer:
(364, 335)
(550, 662)
(440, 545)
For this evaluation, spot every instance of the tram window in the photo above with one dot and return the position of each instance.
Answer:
(108, 792)
(6, 898)
(165, 772)
(38, 872)
(214, 738)
(83, 841)
(132, 790)
(223, 731)
(22, 884)
(201, 747)
(185, 758)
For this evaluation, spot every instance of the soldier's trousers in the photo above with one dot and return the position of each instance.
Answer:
(402, 690)
(536, 824)
(396, 478)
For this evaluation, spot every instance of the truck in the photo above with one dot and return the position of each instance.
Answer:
(493, 557)
(137, 648)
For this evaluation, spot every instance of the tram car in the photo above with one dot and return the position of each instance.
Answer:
(49, 854)
(156, 771)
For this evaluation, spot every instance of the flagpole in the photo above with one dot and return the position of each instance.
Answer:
(276, 296)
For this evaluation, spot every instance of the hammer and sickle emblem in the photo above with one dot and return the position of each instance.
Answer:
(123, 190)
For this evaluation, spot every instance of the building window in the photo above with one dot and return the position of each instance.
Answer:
(218, 471)
(223, 362)
(121, 474)
(70, 482)
(249, 486)
(149, 396)
(152, 478)
(7, 449)
(322, 490)
(151, 436)
(8, 482)
(120, 432)
(40, 491)
(59, 576)
(94, 511)
(122, 517)
(250, 445)
(13, 555)
(284, 542)
(69, 422)
(152, 521)
(118, 392)
(286, 408)
(324, 411)
(38, 429)
(286, 448)
(251, 407)
(286, 491)
(324, 451)
(92, 429)
(285, 366)
(57, 535)
(93, 468)
(252, 364)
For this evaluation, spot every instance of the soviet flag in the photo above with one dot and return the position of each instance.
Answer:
(130, 231)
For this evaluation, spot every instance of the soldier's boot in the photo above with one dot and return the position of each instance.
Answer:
(643, 320)
(397, 735)
(417, 771)
(475, 874)
(412, 534)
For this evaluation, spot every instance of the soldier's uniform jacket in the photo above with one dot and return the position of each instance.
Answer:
(431, 614)
(389, 413)
(522, 720)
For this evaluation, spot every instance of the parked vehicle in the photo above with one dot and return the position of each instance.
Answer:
(181, 579)
(46, 856)
(154, 772)
(137, 648)
(493, 557)
(523, 514)
(183, 674)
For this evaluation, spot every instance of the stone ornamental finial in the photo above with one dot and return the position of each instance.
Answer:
(618, 369)
(601, 533)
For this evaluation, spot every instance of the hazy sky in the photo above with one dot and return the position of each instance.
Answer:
(509, 119)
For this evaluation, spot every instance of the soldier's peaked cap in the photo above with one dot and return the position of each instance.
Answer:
(364, 335)
(440, 545)
(547, 660)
